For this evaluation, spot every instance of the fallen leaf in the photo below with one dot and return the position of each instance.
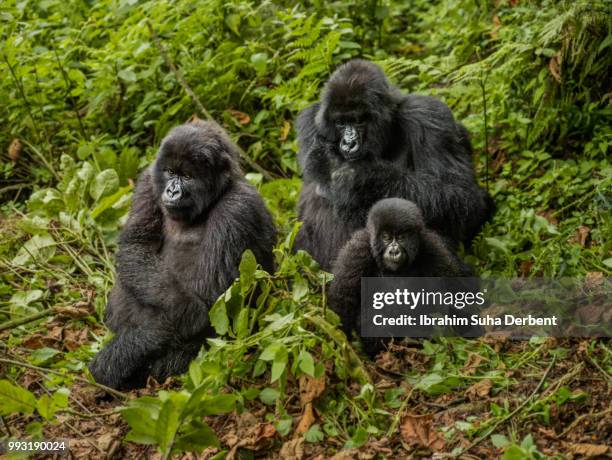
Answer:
(72, 312)
(554, 65)
(593, 280)
(311, 388)
(292, 450)
(240, 117)
(496, 24)
(74, 338)
(480, 389)
(473, 361)
(588, 450)
(258, 438)
(14, 150)
(284, 132)
(581, 235)
(417, 431)
(308, 418)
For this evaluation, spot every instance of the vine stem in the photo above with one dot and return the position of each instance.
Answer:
(112, 391)
(514, 412)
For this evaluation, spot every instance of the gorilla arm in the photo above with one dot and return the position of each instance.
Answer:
(354, 261)
(452, 203)
(437, 259)
(140, 268)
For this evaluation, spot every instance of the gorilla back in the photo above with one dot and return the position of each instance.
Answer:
(192, 217)
(365, 141)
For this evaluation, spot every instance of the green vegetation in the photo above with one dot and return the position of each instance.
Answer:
(86, 95)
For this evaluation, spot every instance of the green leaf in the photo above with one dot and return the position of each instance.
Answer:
(499, 440)
(43, 355)
(269, 396)
(306, 363)
(128, 165)
(167, 424)
(46, 407)
(260, 62)
(142, 420)
(359, 438)
(39, 248)
(109, 201)
(104, 184)
(218, 404)
(233, 22)
(314, 434)
(127, 75)
(284, 425)
(14, 399)
(218, 317)
(197, 437)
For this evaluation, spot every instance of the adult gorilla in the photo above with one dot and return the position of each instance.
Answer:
(192, 217)
(366, 141)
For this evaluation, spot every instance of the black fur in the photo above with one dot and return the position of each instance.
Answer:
(177, 255)
(410, 147)
(362, 256)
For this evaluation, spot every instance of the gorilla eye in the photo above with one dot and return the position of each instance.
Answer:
(187, 176)
(386, 236)
(169, 171)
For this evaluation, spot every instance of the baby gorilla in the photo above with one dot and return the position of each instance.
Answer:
(395, 242)
(192, 217)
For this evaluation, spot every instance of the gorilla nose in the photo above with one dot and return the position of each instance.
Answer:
(394, 252)
(173, 192)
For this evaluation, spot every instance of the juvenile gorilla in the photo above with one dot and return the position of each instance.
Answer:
(193, 215)
(366, 141)
(395, 242)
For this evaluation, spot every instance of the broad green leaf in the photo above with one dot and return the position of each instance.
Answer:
(306, 363)
(14, 399)
(218, 317)
(269, 396)
(167, 424)
(104, 184)
(37, 249)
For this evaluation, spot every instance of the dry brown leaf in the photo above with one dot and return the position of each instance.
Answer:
(292, 450)
(308, 418)
(240, 117)
(417, 431)
(259, 437)
(582, 233)
(311, 388)
(554, 65)
(74, 338)
(55, 333)
(496, 24)
(346, 454)
(72, 312)
(473, 361)
(588, 450)
(284, 132)
(479, 390)
(525, 267)
(593, 280)
(14, 150)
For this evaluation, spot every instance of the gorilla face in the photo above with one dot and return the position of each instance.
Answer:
(395, 227)
(356, 110)
(192, 170)
(397, 249)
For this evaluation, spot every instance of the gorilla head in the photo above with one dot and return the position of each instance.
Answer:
(194, 167)
(395, 227)
(356, 111)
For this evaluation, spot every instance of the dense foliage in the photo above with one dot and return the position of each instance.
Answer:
(88, 90)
